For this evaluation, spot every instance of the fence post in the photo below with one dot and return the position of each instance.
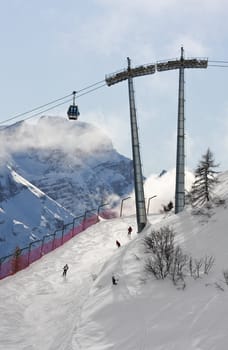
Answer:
(30, 246)
(62, 234)
(73, 227)
(77, 217)
(42, 245)
(121, 208)
(16, 254)
(84, 219)
(53, 242)
(98, 210)
(87, 211)
(1, 260)
(148, 204)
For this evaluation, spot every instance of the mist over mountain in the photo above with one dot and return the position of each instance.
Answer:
(72, 162)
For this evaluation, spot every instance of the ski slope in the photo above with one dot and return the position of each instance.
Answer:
(39, 308)
(42, 310)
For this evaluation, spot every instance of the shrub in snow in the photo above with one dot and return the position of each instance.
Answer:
(168, 207)
(219, 202)
(222, 284)
(178, 266)
(168, 260)
(208, 263)
(165, 257)
(225, 275)
(197, 267)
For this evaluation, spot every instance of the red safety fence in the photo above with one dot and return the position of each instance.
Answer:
(22, 258)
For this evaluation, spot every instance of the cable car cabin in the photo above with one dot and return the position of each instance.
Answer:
(73, 112)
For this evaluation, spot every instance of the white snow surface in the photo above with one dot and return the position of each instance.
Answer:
(42, 310)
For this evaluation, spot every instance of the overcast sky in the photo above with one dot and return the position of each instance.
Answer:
(51, 47)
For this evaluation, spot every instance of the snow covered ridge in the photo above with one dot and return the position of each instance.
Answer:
(74, 163)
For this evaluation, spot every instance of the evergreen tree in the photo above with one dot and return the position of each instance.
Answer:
(205, 179)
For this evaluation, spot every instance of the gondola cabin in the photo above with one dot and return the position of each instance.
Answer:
(73, 112)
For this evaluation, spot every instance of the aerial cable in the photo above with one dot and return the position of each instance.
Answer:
(85, 93)
(38, 113)
(88, 87)
(218, 61)
(218, 65)
(52, 102)
(215, 64)
(52, 107)
(34, 109)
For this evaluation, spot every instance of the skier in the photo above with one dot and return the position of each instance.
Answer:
(129, 231)
(65, 268)
(114, 280)
(118, 244)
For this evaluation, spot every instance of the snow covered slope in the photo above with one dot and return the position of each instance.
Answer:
(72, 162)
(85, 311)
(26, 213)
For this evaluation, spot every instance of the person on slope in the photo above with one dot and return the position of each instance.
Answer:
(114, 280)
(65, 268)
(129, 231)
(118, 244)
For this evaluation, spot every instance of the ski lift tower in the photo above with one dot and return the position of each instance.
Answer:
(181, 64)
(129, 74)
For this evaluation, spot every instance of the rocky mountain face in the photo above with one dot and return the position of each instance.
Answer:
(26, 213)
(74, 163)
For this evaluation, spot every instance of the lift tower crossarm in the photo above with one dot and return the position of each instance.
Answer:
(185, 63)
(124, 74)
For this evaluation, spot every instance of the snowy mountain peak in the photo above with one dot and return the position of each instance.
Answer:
(75, 164)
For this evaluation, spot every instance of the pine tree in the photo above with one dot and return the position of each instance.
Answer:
(205, 179)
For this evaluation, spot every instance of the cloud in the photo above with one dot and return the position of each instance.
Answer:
(194, 47)
(116, 126)
(157, 7)
(105, 34)
(146, 30)
(162, 187)
(137, 6)
(55, 133)
(222, 139)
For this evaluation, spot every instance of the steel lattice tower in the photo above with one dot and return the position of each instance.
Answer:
(138, 178)
(181, 64)
(129, 74)
(180, 155)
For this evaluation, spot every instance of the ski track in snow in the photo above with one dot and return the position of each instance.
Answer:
(40, 309)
